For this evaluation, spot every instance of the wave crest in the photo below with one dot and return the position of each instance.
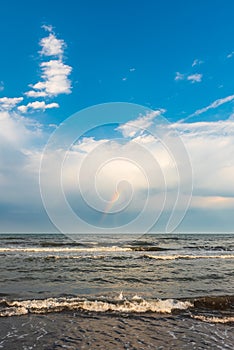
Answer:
(134, 305)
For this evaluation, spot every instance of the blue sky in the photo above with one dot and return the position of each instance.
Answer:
(107, 38)
(172, 56)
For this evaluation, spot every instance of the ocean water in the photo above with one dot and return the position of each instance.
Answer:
(104, 292)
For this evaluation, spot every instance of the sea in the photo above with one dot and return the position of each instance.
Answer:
(155, 291)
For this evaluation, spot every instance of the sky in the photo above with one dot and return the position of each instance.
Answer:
(117, 116)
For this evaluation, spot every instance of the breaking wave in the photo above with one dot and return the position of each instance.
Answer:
(121, 304)
(64, 249)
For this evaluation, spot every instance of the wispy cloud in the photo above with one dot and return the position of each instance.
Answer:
(47, 27)
(8, 103)
(230, 55)
(128, 73)
(1, 86)
(179, 76)
(37, 105)
(213, 105)
(197, 62)
(54, 73)
(138, 126)
(195, 78)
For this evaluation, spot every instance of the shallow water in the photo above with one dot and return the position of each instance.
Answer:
(153, 292)
(112, 331)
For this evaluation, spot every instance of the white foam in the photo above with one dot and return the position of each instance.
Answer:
(66, 249)
(213, 319)
(120, 296)
(127, 306)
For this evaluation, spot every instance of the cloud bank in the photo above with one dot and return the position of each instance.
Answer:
(210, 146)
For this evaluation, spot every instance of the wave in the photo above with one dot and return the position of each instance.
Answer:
(60, 247)
(149, 249)
(214, 319)
(121, 304)
(61, 244)
(210, 248)
(225, 302)
(64, 249)
(118, 249)
(134, 305)
(99, 253)
(187, 257)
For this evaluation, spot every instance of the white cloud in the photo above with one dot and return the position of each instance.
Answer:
(33, 93)
(8, 103)
(195, 78)
(132, 69)
(210, 146)
(213, 105)
(54, 73)
(54, 80)
(17, 132)
(48, 28)
(132, 128)
(37, 105)
(196, 62)
(211, 149)
(230, 55)
(54, 77)
(21, 140)
(87, 144)
(179, 76)
(51, 46)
